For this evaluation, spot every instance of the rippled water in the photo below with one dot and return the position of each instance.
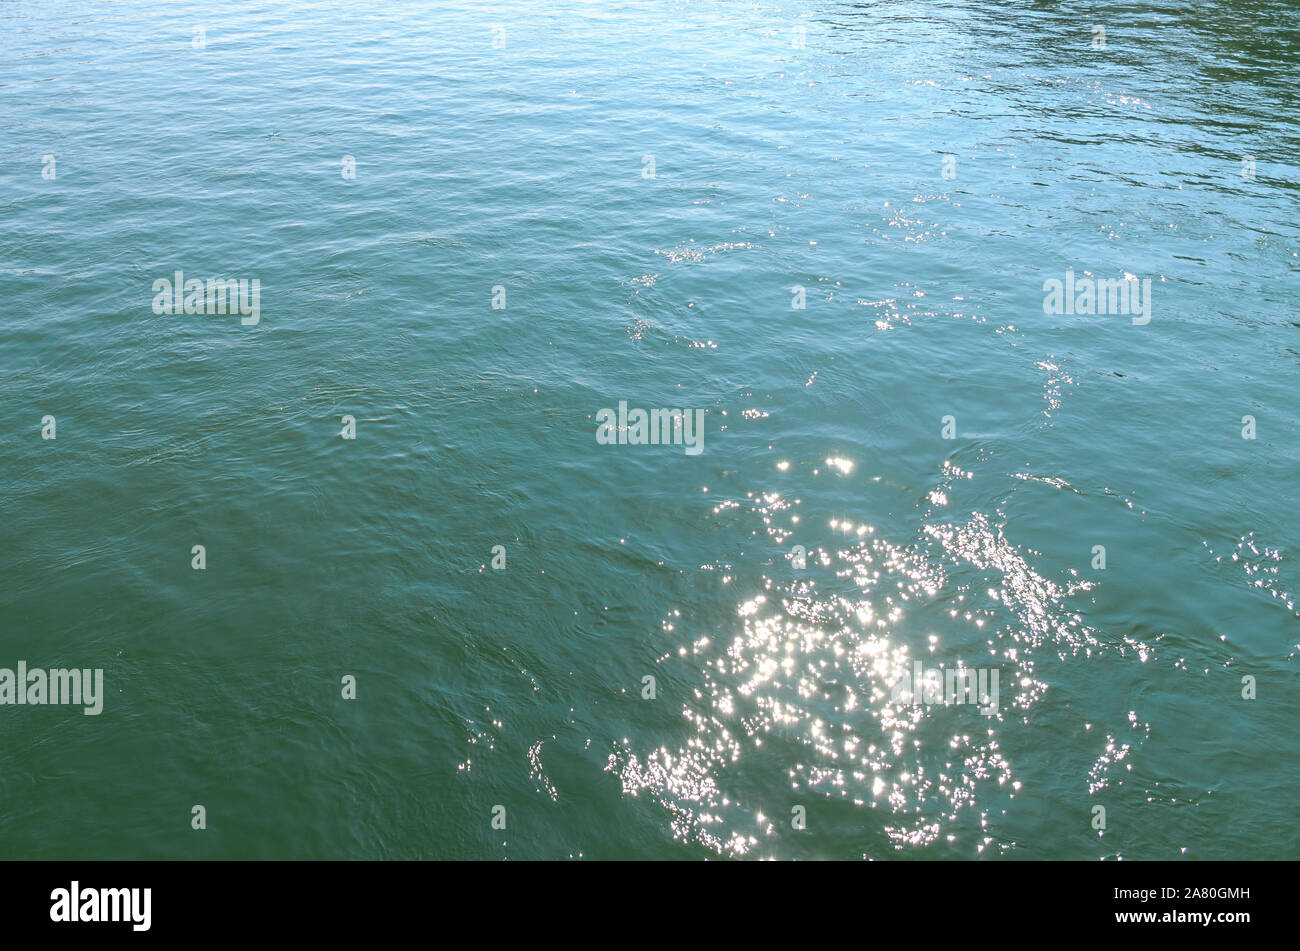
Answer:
(648, 184)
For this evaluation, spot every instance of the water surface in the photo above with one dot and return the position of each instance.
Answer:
(793, 146)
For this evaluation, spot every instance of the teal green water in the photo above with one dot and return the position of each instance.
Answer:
(526, 164)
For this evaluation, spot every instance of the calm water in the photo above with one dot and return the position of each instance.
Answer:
(648, 183)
